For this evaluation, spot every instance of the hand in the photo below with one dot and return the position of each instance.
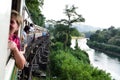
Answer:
(25, 46)
(11, 45)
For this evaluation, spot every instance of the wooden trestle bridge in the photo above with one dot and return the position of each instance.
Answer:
(37, 57)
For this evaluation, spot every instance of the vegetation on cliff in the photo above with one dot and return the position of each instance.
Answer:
(106, 40)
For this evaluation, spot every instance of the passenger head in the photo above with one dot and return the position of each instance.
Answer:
(15, 15)
(27, 29)
(31, 25)
(15, 21)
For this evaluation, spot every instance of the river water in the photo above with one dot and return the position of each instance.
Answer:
(110, 64)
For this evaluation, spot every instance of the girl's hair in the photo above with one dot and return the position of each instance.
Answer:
(17, 17)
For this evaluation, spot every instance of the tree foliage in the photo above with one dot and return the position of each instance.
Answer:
(74, 65)
(72, 17)
(109, 36)
(34, 9)
(66, 63)
(75, 32)
(106, 40)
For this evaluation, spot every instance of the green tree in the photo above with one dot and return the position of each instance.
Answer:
(34, 9)
(60, 33)
(75, 32)
(73, 17)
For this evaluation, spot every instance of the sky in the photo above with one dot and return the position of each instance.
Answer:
(97, 13)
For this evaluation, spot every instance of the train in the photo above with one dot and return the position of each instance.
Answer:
(8, 70)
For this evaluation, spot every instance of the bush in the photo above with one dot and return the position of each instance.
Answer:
(73, 65)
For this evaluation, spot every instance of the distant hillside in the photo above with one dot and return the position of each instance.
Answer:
(85, 28)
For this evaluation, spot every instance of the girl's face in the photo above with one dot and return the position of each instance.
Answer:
(13, 26)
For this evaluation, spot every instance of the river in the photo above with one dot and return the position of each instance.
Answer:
(111, 64)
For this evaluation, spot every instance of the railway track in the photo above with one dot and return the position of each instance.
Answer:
(37, 57)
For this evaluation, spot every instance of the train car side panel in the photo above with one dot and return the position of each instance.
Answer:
(5, 8)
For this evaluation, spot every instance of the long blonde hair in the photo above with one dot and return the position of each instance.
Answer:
(17, 17)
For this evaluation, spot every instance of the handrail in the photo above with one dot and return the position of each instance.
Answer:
(9, 69)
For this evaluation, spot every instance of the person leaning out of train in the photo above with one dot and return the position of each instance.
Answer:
(14, 40)
(24, 37)
(32, 29)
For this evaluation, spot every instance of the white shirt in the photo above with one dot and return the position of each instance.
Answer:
(32, 29)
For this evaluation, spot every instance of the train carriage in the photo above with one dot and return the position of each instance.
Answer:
(4, 23)
(8, 71)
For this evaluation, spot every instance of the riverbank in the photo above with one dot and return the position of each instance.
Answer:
(73, 37)
(108, 63)
(103, 47)
(105, 51)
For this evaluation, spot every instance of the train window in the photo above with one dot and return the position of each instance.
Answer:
(16, 5)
